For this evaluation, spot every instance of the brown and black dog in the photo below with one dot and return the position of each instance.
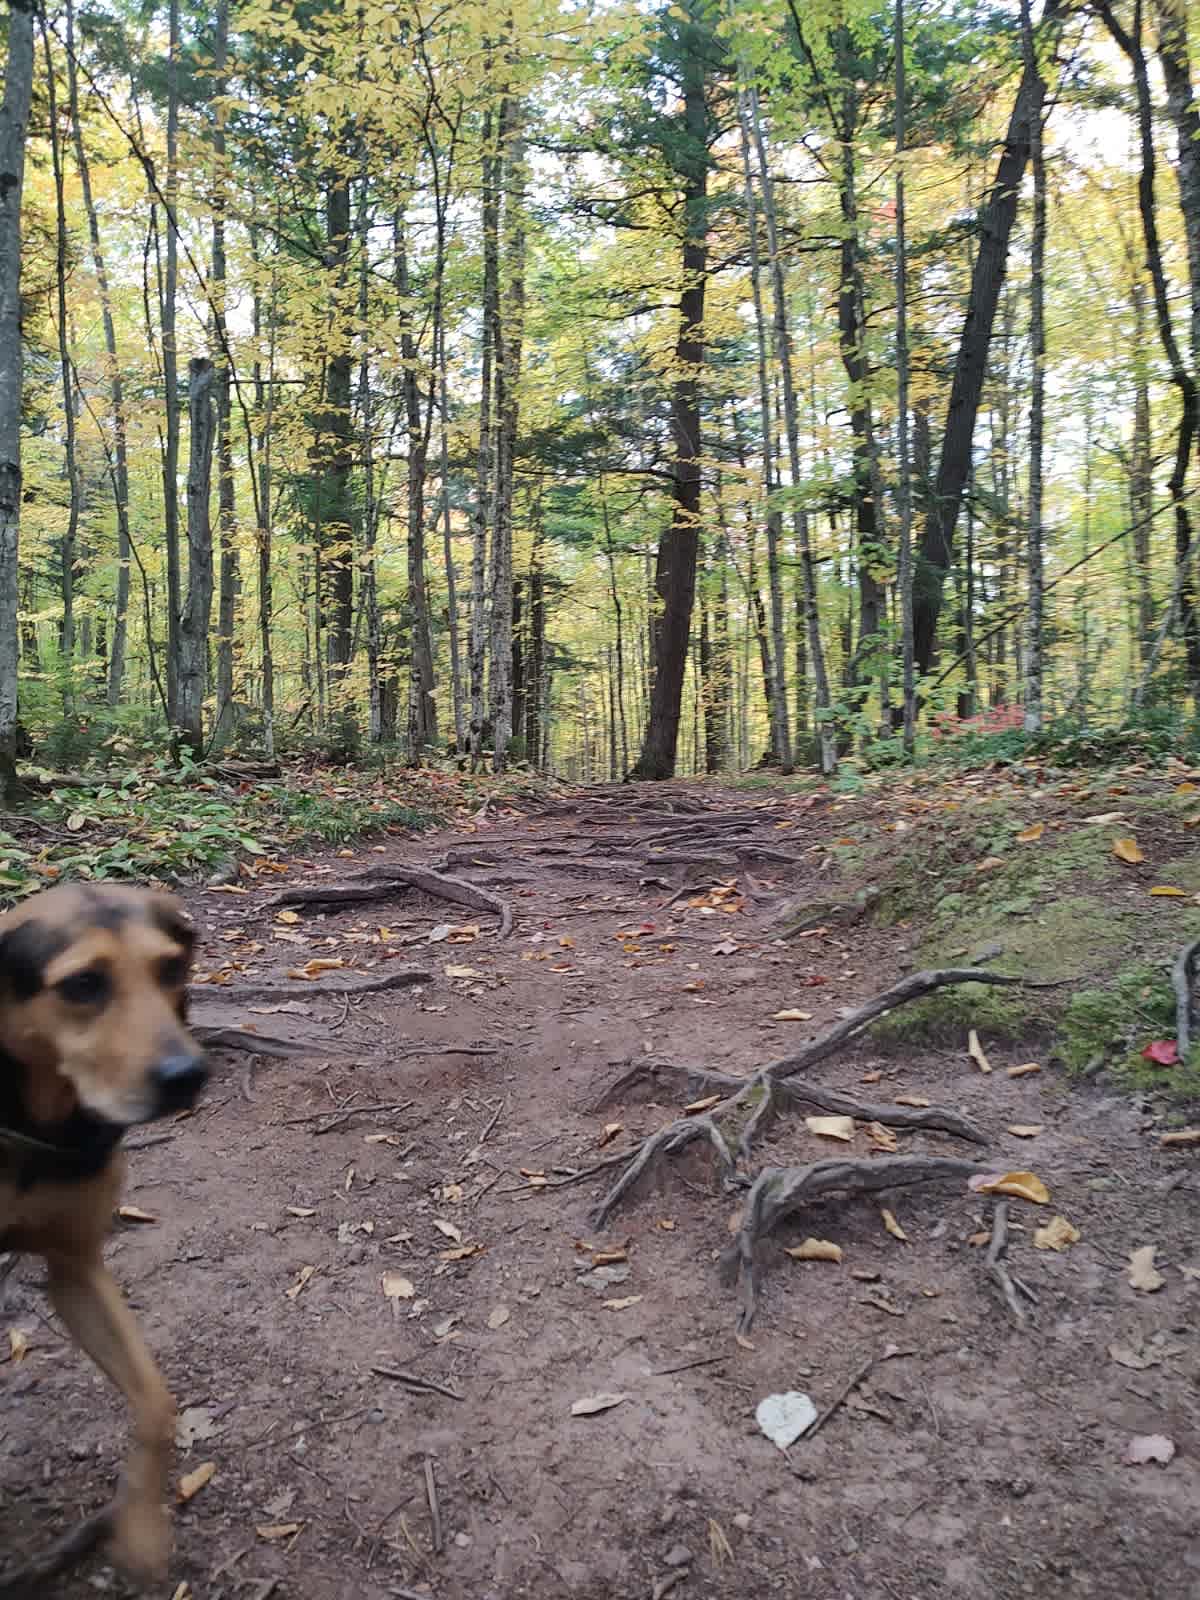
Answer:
(93, 1039)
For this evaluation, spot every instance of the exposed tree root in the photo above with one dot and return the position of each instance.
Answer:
(231, 1036)
(29, 1582)
(777, 1192)
(1011, 1288)
(378, 883)
(1183, 977)
(394, 978)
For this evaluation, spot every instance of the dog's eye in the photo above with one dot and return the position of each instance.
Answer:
(173, 972)
(87, 988)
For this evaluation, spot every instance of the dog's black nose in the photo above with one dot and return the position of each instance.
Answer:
(179, 1079)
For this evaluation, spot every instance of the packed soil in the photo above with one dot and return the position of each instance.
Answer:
(373, 1282)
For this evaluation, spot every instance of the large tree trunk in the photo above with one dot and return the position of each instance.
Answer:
(1035, 564)
(1141, 472)
(904, 477)
(996, 217)
(1173, 54)
(67, 378)
(675, 569)
(118, 458)
(335, 542)
(170, 359)
(264, 404)
(485, 489)
(422, 706)
(777, 699)
(508, 344)
(193, 633)
(14, 125)
(230, 584)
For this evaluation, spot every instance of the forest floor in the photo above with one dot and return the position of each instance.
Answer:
(376, 1287)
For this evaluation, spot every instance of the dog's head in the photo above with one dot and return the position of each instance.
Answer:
(93, 1003)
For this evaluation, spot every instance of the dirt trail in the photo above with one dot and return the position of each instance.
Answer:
(980, 1462)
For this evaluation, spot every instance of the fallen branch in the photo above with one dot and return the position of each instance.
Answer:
(29, 1581)
(222, 1036)
(1183, 978)
(777, 1192)
(412, 1380)
(848, 1388)
(380, 882)
(1009, 1286)
(435, 1513)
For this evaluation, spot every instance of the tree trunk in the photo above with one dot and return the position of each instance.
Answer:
(193, 655)
(777, 702)
(456, 689)
(508, 344)
(996, 218)
(537, 652)
(230, 584)
(336, 518)
(422, 706)
(264, 400)
(67, 378)
(904, 483)
(675, 568)
(1173, 54)
(783, 354)
(1141, 473)
(490, 356)
(1183, 376)
(369, 582)
(14, 126)
(170, 361)
(1035, 565)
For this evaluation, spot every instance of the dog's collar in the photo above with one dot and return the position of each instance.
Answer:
(75, 1148)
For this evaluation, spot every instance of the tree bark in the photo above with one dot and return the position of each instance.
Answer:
(170, 359)
(484, 493)
(1141, 473)
(230, 583)
(67, 549)
(264, 403)
(336, 518)
(456, 688)
(422, 706)
(508, 344)
(997, 215)
(193, 633)
(904, 494)
(14, 126)
(1035, 563)
(675, 568)
(537, 686)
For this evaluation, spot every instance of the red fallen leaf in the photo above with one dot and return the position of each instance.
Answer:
(1163, 1052)
(813, 981)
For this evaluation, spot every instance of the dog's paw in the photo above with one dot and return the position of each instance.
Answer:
(141, 1541)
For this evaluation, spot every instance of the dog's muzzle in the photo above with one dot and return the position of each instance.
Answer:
(178, 1080)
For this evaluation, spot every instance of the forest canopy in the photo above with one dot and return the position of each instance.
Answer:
(616, 388)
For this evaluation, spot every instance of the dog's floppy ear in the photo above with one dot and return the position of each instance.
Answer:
(25, 952)
(168, 917)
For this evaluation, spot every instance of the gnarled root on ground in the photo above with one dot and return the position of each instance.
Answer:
(777, 1192)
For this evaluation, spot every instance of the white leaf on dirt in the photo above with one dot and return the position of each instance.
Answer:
(786, 1417)
(1137, 1360)
(18, 1344)
(274, 1531)
(977, 1053)
(438, 934)
(592, 1404)
(1145, 1448)
(1143, 1274)
(1026, 1130)
(192, 1482)
(498, 1317)
(301, 1211)
(792, 1014)
(1058, 1234)
(623, 1304)
(443, 1329)
(135, 1214)
(397, 1287)
(604, 1277)
(463, 972)
(816, 1250)
(194, 1424)
(448, 1230)
(726, 948)
(297, 1288)
(831, 1127)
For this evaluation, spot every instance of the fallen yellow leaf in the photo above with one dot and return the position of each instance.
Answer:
(18, 1344)
(135, 1214)
(792, 1015)
(305, 1274)
(315, 967)
(1127, 850)
(881, 1138)
(1035, 830)
(623, 1304)
(698, 1106)
(989, 864)
(892, 1226)
(816, 1250)
(1181, 1136)
(831, 1127)
(1057, 1234)
(1167, 891)
(1025, 1070)
(911, 1100)
(1026, 1130)
(397, 1287)
(1022, 1185)
(287, 916)
(192, 1482)
(271, 1531)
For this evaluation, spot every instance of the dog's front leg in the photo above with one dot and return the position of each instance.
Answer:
(87, 1298)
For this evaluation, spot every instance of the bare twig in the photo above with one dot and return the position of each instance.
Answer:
(412, 1380)
(435, 1513)
(341, 1115)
